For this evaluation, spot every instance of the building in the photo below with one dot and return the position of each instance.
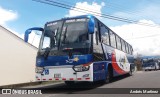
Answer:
(17, 59)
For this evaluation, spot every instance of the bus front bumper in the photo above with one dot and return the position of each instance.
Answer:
(64, 73)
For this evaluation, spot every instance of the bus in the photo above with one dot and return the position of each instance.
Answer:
(80, 48)
(150, 64)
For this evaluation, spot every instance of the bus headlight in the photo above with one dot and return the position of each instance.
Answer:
(39, 69)
(80, 68)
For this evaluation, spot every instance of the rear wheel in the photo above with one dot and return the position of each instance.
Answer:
(109, 76)
(155, 68)
(130, 71)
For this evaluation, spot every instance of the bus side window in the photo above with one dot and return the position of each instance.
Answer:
(104, 34)
(97, 38)
(118, 42)
(112, 39)
(123, 46)
(96, 34)
(129, 49)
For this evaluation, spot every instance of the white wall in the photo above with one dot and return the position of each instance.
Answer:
(17, 59)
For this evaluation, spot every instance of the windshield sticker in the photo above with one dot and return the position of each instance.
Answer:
(69, 21)
(81, 20)
(72, 60)
(75, 20)
(51, 24)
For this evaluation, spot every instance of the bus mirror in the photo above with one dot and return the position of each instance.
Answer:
(91, 25)
(28, 31)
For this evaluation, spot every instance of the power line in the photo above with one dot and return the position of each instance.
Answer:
(110, 5)
(144, 37)
(138, 13)
(66, 6)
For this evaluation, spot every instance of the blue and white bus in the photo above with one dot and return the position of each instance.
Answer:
(150, 63)
(81, 48)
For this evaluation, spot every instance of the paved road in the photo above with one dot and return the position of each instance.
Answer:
(141, 79)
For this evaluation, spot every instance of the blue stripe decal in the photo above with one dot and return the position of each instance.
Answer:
(64, 60)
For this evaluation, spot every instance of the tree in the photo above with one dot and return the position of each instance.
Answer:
(138, 62)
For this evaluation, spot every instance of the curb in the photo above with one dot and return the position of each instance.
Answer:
(21, 85)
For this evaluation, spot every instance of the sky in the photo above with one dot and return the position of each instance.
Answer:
(19, 15)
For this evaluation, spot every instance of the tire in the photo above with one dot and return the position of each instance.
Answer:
(130, 71)
(109, 77)
(155, 68)
(69, 83)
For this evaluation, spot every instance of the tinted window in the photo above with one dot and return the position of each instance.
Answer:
(112, 39)
(131, 50)
(118, 42)
(127, 48)
(123, 46)
(51, 35)
(75, 32)
(104, 34)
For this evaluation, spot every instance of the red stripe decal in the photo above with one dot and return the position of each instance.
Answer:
(71, 79)
(57, 79)
(115, 65)
(50, 79)
(79, 78)
(63, 78)
(87, 78)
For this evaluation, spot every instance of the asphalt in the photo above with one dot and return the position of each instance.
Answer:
(119, 87)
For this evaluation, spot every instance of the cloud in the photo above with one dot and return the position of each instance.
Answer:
(149, 11)
(86, 6)
(145, 40)
(34, 39)
(7, 15)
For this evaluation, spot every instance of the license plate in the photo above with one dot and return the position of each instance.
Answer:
(57, 75)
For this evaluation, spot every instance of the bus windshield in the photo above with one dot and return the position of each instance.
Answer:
(73, 34)
(51, 35)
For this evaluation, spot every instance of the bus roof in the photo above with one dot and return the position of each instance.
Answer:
(87, 16)
(75, 17)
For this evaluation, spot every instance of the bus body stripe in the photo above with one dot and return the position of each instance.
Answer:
(115, 65)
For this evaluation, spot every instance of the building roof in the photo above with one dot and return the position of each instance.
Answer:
(16, 36)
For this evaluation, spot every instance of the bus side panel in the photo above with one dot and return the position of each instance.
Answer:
(118, 59)
(99, 70)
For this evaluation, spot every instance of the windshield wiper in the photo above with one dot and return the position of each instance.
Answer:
(64, 36)
(69, 50)
(46, 53)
